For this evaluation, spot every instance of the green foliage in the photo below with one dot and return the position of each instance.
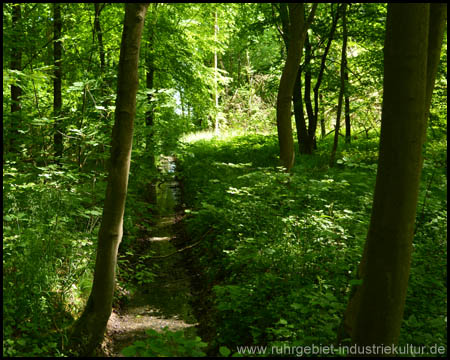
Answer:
(166, 343)
(48, 254)
(281, 250)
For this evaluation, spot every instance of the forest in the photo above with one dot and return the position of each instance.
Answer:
(224, 179)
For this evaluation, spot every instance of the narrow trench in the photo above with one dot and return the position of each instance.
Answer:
(166, 301)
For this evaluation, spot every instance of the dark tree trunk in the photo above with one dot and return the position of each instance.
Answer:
(342, 90)
(411, 56)
(239, 69)
(16, 64)
(312, 130)
(308, 143)
(89, 329)
(150, 113)
(348, 129)
(322, 117)
(284, 17)
(98, 29)
(312, 120)
(287, 80)
(302, 132)
(57, 96)
(150, 74)
(297, 33)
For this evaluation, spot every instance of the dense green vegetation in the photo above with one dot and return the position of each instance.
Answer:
(281, 255)
(274, 254)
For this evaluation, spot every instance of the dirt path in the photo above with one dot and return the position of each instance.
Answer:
(166, 301)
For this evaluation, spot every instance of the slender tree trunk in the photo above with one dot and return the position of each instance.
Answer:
(284, 17)
(287, 80)
(90, 327)
(312, 120)
(312, 130)
(239, 69)
(57, 96)
(98, 29)
(150, 114)
(412, 47)
(16, 64)
(297, 33)
(150, 74)
(348, 129)
(438, 17)
(300, 124)
(216, 92)
(250, 85)
(342, 90)
(308, 142)
(302, 131)
(322, 118)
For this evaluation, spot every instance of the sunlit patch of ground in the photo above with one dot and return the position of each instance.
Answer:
(123, 330)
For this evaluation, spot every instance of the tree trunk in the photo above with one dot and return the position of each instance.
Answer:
(342, 90)
(308, 78)
(98, 29)
(150, 113)
(90, 327)
(348, 129)
(302, 132)
(57, 96)
(438, 17)
(16, 64)
(312, 130)
(297, 33)
(216, 92)
(307, 141)
(322, 118)
(239, 69)
(412, 47)
(284, 17)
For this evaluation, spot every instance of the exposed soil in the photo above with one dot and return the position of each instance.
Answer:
(166, 301)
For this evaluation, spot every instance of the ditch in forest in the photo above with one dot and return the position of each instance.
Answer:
(166, 301)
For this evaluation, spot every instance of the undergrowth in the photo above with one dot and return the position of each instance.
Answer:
(51, 217)
(281, 250)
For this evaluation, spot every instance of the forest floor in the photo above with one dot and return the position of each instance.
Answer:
(245, 255)
(162, 304)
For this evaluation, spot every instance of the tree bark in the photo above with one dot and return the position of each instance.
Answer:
(342, 90)
(322, 118)
(57, 81)
(412, 47)
(216, 92)
(284, 17)
(438, 17)
(150, 113)
(98, 29)
(312, 131)
(89, 329)
(297, 33)
(308, 146)
(302, 131)
(348, 129)
(16, 64)
(308, 140)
